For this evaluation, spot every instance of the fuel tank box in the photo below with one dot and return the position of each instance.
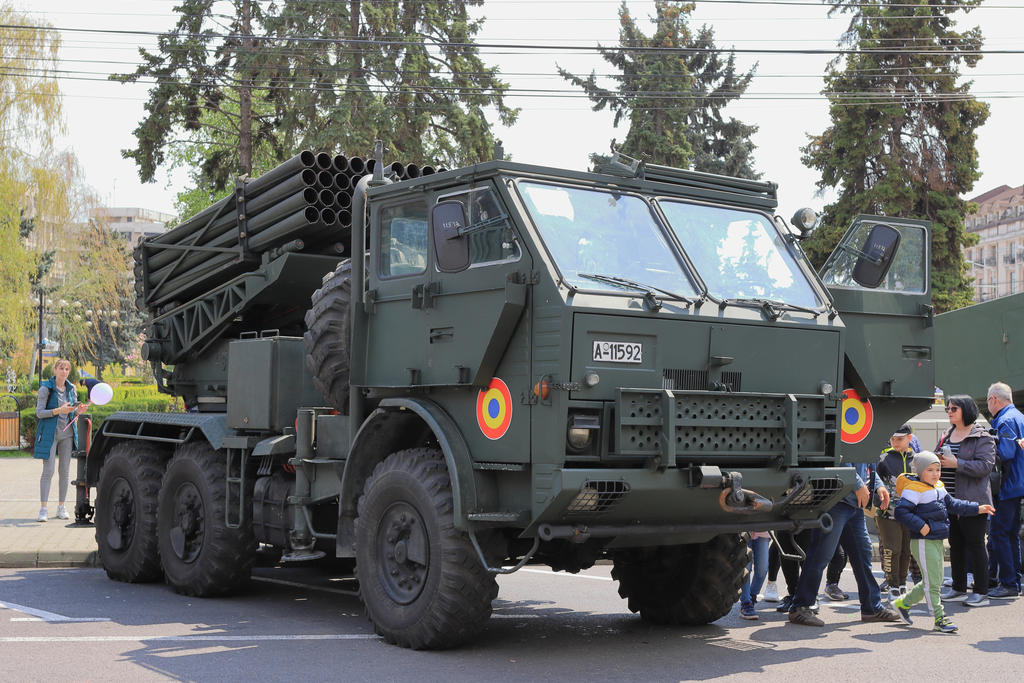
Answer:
(267, 382)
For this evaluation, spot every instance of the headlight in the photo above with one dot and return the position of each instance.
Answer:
(582, 431)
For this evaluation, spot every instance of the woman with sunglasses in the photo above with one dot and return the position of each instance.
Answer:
(967, 453)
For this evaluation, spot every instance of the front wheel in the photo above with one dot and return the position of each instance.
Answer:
(126, 512)
(201, 555)
(683, 584)
(419, 577)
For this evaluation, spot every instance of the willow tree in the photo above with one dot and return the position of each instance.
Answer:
(903, 131)
(31, 187)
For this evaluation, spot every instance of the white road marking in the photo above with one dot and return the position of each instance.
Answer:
(515, 616)
(567, 575)
(296, 584)
(49, 617)
(185, 638)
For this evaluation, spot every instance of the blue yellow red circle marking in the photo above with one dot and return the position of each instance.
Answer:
(494, 409)
(856, 419)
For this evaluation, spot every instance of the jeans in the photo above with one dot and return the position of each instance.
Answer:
(1006, 542)
(758, 570)
(847, 529)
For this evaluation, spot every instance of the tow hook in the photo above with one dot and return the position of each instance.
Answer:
(734, 498)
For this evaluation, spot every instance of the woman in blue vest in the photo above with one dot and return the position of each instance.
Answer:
(54, 404)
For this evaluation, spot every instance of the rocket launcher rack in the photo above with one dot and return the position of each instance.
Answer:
(214, 271)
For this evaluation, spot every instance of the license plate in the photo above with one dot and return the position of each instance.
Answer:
(618, 352)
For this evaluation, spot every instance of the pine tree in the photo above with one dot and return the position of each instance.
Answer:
(404, 71)
(902, 138)
(672, 88)
(251, 89)
(206, 72)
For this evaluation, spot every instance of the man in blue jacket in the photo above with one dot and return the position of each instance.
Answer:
(847, 528)
(1008, 423)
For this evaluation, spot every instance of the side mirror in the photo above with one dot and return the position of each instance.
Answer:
(876, 256)
(451, 249)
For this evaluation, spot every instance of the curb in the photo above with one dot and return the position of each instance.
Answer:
(27, 559)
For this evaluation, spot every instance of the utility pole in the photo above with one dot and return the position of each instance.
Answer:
(41, 301)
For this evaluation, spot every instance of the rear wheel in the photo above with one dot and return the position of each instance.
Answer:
(126, 512)
(419, 577)
(327, 336)
(201, 556)
(684, 584)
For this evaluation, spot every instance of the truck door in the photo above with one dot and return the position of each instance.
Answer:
(452, 334)
(889, 336)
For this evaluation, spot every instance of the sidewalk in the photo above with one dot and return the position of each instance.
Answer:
(24, 542)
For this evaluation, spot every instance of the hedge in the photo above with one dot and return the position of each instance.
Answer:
(131, 398)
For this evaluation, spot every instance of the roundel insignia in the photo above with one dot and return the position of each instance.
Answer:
(494, 409)
(857, 417)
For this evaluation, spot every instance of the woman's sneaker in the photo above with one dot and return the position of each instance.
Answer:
(62, 512)
(747, 611)
(834, 593)
(42, 515)
(945, 625)
(977, 600)
(950, 595)
(785, 604)
(771, 592)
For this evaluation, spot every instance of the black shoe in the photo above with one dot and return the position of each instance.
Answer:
(804, 617)
(884, 614)
(785, 604)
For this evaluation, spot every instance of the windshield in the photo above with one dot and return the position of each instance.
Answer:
(591, 232)
(739, 254)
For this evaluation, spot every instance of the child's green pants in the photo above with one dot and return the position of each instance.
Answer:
(928, 554)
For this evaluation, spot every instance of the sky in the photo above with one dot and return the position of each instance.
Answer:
(783, 99)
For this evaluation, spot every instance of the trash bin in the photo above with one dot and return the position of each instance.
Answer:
(10, 423)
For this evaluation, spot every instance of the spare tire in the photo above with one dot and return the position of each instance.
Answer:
(327, 336)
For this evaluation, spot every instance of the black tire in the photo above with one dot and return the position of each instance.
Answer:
(200, 555)
(684, 584)
(327, 336)
(419, 577)
(126, 512)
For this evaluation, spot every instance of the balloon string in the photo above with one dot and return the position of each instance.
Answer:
(75, 419)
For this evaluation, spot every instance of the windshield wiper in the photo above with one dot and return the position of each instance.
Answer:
(649, 297)
(772, 308)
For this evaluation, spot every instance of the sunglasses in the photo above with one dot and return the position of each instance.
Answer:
(952, 409)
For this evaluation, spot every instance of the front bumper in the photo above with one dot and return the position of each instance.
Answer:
(643, 507)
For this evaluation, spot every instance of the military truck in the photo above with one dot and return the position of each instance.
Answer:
(501, 365)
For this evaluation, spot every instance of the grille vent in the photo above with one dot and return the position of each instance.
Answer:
(696, 380)
(598, 496)
(817, 492)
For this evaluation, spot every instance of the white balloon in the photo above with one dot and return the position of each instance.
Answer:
(101, 394)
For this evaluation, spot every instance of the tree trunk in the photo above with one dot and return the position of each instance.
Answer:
(245, 92)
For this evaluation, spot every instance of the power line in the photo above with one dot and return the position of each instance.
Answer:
(556, 49)
(880, 96)
(880, 72)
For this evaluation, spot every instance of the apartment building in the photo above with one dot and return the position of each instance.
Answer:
(133, 223)
(997, 261)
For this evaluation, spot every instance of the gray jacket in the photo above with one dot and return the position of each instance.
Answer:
(975, 461)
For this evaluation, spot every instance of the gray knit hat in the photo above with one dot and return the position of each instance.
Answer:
(923, 459)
